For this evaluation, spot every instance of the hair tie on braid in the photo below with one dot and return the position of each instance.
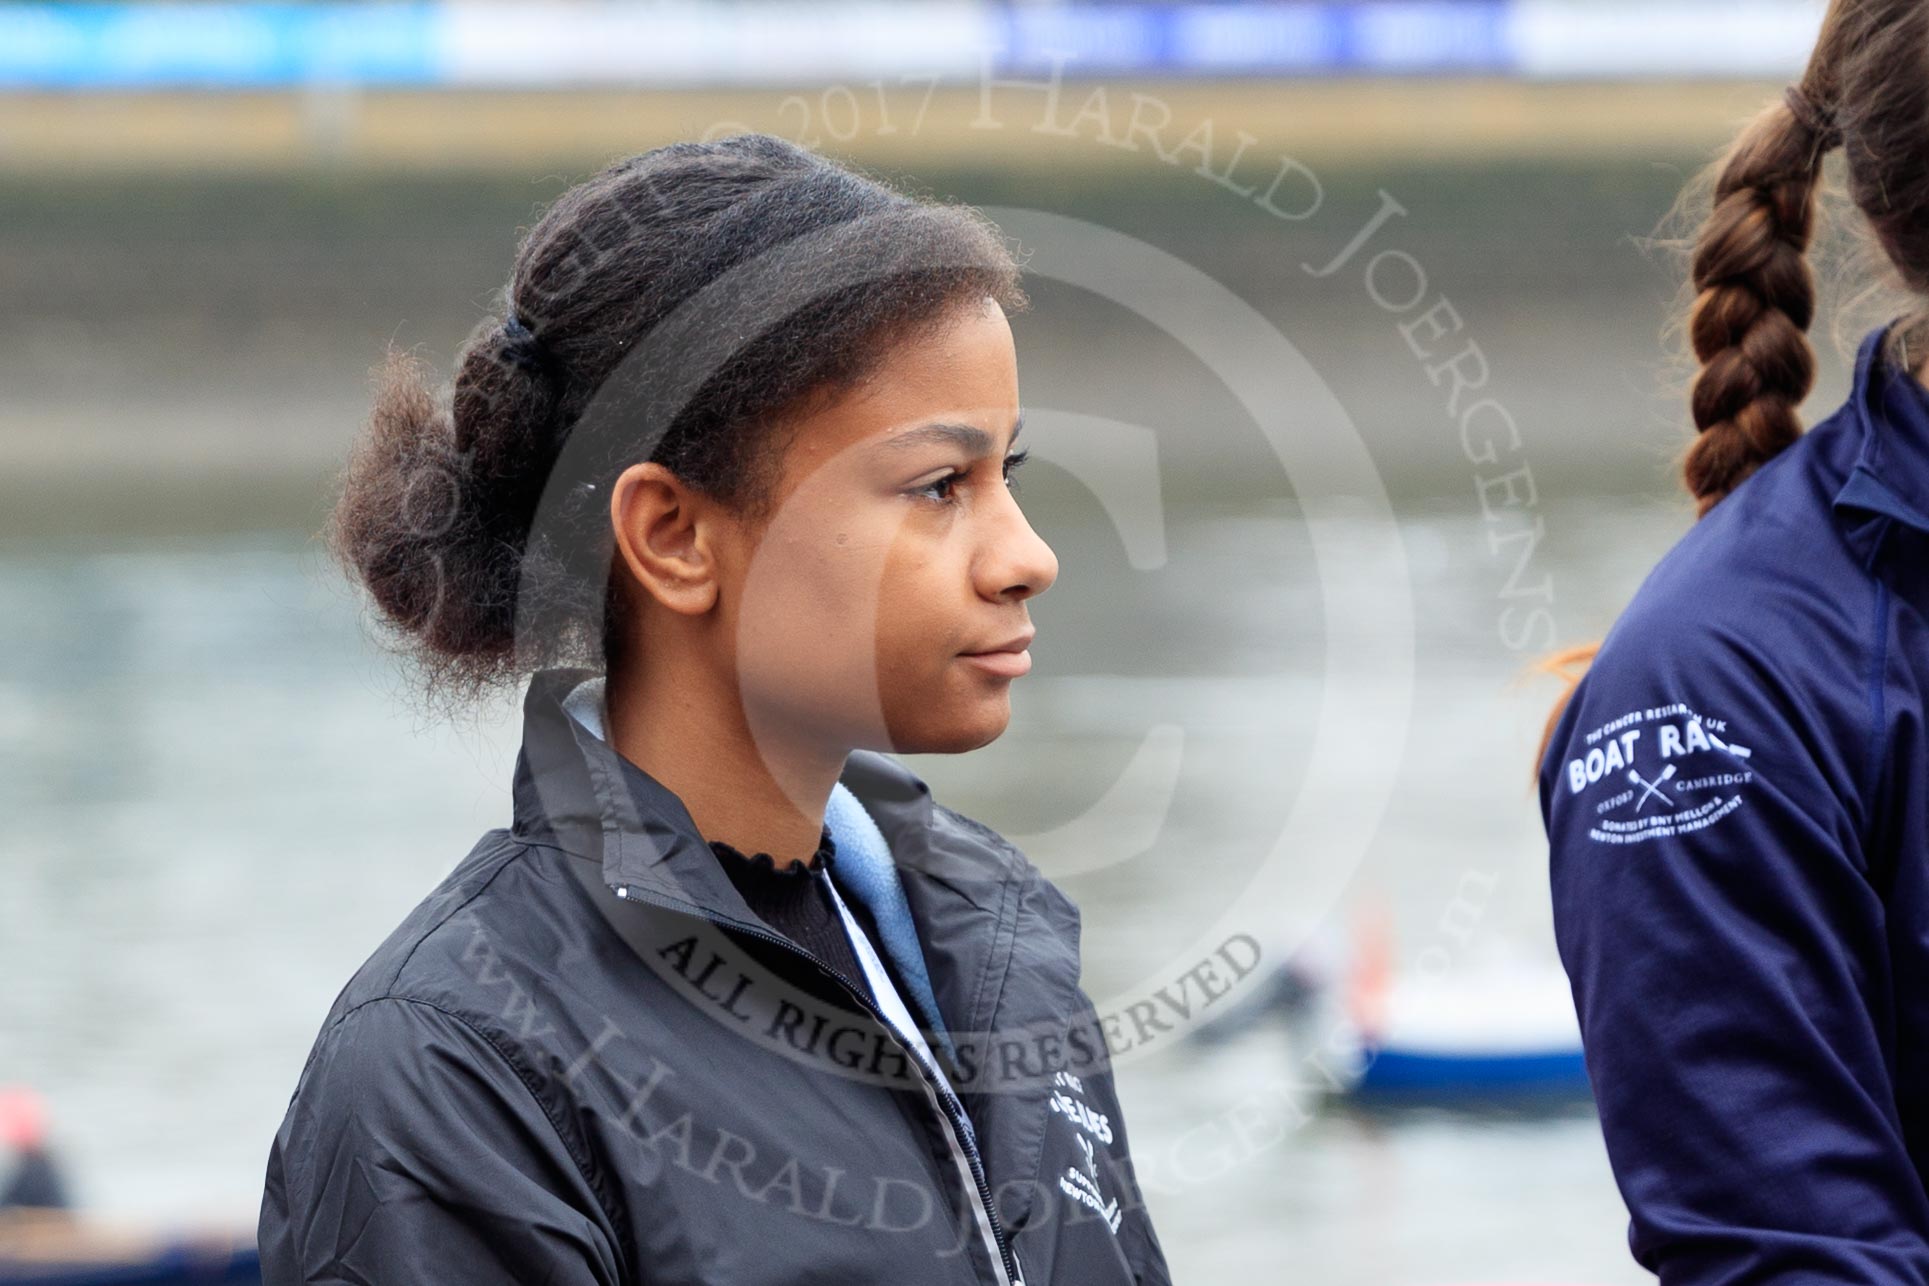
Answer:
(524, 348)
(1818, 119)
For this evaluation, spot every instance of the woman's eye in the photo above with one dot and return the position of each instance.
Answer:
(940, 489)
(1012, 462)
(931, 489)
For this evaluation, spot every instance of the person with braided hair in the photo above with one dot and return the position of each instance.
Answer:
(1736, 790)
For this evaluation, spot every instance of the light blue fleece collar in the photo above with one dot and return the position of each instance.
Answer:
(864, 871)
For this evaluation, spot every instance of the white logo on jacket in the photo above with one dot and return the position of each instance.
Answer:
(1082, 1184)
(1659, 771)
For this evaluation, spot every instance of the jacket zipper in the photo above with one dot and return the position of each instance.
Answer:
(947, 1103)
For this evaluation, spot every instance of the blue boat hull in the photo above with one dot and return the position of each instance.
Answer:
(1410, 1074)
(175, 1266)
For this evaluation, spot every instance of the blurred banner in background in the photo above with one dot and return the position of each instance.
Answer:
(214, 217)
(506, 45)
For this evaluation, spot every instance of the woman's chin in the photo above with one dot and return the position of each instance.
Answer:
(977, 723)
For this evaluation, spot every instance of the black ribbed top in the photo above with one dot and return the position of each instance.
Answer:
(796, 901)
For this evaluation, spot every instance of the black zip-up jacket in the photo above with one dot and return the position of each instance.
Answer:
(582, 1059)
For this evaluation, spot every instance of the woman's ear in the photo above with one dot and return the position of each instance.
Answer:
(666, 534)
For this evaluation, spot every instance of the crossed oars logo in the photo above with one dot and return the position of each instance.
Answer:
(1651, 787)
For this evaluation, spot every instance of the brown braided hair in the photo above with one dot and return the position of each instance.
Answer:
(1865, 91)
(1755, 299)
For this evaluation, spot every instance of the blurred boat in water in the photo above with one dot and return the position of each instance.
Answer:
(1475, 1033)
(60, 1248)
(45, 1241)
(1482, 1036)
(1493, 1028)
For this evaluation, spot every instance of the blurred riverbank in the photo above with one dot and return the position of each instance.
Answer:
(222, 796)
(172, 337)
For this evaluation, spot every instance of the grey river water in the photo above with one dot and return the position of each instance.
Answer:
(218, 799)
(218, 796)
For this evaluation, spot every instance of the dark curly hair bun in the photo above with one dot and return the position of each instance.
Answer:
(437, 509)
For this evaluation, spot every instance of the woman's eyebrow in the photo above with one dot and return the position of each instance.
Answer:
(969, 436)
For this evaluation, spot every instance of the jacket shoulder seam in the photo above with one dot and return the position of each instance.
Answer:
(1017, 869)
(998, 959)
(1878, 712)
(507, 859)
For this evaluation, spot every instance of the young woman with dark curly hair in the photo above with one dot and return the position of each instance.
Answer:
(731, 999)
(1737, 793)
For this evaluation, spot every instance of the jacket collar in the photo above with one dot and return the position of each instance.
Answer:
(574, 791)
(1891, 408)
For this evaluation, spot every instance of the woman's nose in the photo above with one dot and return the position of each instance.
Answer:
(1022, 564)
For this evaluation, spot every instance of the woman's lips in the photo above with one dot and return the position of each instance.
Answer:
(1007, 664)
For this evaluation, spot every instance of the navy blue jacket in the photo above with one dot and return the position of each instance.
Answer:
(1735, 802)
